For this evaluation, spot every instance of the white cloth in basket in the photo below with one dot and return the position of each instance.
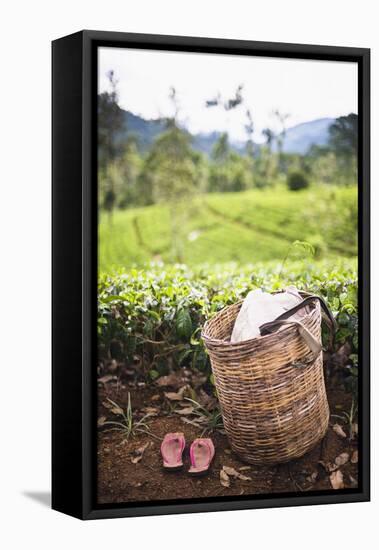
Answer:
(261, 307)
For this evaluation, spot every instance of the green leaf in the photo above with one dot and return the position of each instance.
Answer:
(354, 358)
(194, 341)
(112, 298)
(154, 314)
(183, 355)
(184, 324)
(154, 374)
(102, 321)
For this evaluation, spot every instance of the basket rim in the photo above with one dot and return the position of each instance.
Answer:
(231, 345)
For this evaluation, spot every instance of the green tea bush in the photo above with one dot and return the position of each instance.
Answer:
(155, 315)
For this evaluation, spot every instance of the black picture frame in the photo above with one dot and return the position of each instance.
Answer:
(74, 270)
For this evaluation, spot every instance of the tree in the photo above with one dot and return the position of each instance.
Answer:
(233, 102)
(174, 175)
(110, 122)
(269, 137)
(145, 180)
(249, 129)
(221, 149)
(280, 137)
(229, 171)
(128, 167)
(265, 164)
(343, 135)
(227, 104)
(343, 141)
(174, 172)
(323, 164)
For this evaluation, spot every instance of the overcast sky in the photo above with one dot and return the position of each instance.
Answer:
(306, 90)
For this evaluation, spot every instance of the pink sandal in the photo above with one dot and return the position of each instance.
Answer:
(172, 448)
(202, 452)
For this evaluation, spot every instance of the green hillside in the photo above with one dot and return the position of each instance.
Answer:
(244, 227)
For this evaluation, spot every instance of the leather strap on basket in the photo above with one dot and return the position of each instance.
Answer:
(313, 344)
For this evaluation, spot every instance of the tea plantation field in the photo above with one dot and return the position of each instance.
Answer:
(244, 227)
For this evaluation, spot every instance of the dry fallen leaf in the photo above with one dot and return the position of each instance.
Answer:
(151, 411)
(232, 472)
(176, 396)
(354, 429)
(339, 431)
(117, 411)
(101, 421)
(139, 453)
(354, 457)
(173, 380)
(336, 480)
(328, 466)
(206, 401)
(244, 478)
(106, 378)
(224, 479)
(144, 447)
(185, 411)
(244, 468)
(341, 459)
(172, 396)
(313, 477)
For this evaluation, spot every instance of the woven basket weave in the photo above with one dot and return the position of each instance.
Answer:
(271, 389)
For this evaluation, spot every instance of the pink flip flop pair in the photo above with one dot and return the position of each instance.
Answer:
(201, 453)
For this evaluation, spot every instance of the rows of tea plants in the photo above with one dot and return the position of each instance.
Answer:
(327, 216)
(245, 227)
(153, 316)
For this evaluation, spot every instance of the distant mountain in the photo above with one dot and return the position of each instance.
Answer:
(298, 139)
(144, 130)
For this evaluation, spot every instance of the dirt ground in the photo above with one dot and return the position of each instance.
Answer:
(131, 470)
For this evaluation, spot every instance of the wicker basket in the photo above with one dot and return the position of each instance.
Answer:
(271, 389)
